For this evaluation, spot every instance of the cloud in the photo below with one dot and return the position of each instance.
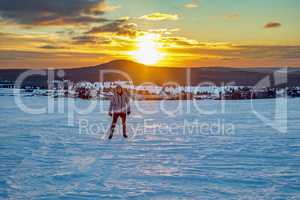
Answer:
(54, 12)
(109, 8)
(119, 27)
(193, 4)
(31, 59)
(86, 39)
(70, 20)
(233, 16)
(175, 41)
(23, 41)
(234, 55)
(163, 31)
(160, 17)
(51, 47)
(252, 52)
(273, 25)
(271, 51)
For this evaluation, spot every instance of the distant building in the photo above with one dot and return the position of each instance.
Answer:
(7, 84)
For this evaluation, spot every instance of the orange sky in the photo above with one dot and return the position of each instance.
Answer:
(169, 33)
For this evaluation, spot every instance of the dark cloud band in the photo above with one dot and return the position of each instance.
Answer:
(54, 12)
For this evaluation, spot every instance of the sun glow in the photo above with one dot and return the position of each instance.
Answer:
(148, 49)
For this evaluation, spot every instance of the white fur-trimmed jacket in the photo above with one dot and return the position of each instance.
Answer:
(119, 103)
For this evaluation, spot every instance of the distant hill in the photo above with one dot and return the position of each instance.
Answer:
(140, 73)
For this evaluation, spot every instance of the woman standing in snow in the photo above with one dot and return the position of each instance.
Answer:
(119, 107)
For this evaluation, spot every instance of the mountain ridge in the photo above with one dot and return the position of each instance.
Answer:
(140, 73)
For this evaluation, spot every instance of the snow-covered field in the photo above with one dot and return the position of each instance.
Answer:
(42, 157)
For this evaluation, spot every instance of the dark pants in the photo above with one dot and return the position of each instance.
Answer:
(114, 122)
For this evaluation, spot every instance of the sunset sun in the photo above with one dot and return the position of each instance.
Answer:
(148, 49)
